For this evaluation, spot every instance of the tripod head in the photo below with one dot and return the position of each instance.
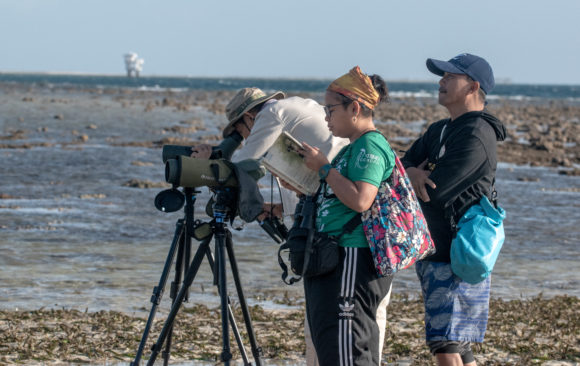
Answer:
(223, 204)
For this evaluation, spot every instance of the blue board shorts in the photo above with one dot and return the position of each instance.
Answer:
(454, 310)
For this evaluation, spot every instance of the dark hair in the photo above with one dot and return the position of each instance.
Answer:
(257, 108)
(380, 86)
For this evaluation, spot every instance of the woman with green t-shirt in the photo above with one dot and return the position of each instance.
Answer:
(342, 306)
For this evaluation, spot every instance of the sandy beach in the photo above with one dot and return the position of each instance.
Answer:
(536, 331)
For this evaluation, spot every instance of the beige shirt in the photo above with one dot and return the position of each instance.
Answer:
(304, 120)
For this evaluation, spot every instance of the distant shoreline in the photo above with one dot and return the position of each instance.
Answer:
(499, 82)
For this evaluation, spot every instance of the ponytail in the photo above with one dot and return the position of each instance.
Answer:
(381, 87)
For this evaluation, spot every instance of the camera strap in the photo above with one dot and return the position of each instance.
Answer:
(284, 267)
(271, 195)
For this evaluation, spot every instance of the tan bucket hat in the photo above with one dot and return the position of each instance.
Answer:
(243, 101)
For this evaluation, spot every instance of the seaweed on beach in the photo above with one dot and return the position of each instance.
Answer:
(520, 332)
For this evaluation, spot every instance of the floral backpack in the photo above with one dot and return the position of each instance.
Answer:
(395, 227)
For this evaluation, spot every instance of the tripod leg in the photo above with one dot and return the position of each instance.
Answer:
(180, 265)
(191, 273)
(220, 237)
(158, 290)
(256, 350)
(233, 323)
(190, 199)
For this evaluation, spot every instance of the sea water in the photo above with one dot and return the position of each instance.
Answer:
(73, 235)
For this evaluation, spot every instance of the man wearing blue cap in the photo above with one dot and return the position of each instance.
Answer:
(451, 166)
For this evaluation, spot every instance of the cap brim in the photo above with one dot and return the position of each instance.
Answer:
(439, 67)
(230, 127)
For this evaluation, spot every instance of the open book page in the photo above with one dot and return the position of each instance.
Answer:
(284, 161)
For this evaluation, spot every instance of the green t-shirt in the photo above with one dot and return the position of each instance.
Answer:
(369, 159)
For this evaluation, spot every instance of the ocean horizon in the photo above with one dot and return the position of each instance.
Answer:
(397, 88)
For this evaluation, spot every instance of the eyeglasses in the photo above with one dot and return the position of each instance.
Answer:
(327, 108)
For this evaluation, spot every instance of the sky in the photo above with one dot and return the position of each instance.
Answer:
(525, 41)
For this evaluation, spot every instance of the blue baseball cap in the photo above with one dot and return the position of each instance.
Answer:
(473, 66)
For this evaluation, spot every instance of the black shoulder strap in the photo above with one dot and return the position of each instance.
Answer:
(450, 211)
(351, 225)
(493, 193)
(284, 267)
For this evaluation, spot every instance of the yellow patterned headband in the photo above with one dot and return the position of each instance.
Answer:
(357, 86)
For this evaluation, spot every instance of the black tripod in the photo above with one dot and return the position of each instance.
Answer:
(181, 244)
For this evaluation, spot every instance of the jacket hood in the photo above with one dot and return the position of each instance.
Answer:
(498, 127)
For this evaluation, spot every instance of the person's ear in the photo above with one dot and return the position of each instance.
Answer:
(475, 86)
(355, 108)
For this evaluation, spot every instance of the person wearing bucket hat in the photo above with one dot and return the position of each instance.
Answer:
(240, 113)
(260, 118)
(243, 102)
(451, 167)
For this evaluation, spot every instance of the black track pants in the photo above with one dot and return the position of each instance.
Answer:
(341, 308)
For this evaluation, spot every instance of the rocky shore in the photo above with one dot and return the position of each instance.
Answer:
(520, 332)
(540, 132)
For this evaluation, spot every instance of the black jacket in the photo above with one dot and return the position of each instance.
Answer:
(462, 161)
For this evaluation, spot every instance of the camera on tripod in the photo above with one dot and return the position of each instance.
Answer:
(191, 172)
(236, 193)
(182, 170)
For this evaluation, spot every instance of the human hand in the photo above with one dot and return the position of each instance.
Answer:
(271, 209)
(202, 151)
(313, 157)
(419, 178)
(287, 185)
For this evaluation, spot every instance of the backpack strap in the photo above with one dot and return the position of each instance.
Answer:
(493, 193)
(351, 225)
(450, 212)
(284, 267)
